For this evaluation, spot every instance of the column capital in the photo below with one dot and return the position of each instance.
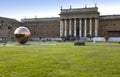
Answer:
(65, 18)
(74, 18)
(80, 18)
(96, 18)
(69, 18)
(61, 19)
(91, 18)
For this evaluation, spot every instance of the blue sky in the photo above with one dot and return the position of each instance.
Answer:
(19, 9)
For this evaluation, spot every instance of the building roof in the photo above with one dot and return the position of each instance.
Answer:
(80, 10)
(8, 19)
(104, 17)
(40, 19)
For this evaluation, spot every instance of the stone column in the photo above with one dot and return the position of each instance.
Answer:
(96, 27)
(74, 27)
(90, 27)
(85, 27)
(70, 28)
(61, 28)
(65, 28)
(80, 28)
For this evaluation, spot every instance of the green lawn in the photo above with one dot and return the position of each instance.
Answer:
(61, 60)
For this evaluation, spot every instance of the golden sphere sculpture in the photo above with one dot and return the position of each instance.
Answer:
(22, 34)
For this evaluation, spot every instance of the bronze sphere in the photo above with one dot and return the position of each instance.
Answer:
(22, 34)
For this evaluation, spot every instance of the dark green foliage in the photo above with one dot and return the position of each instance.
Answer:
(79, 43)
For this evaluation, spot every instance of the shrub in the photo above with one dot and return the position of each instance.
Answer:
(79, 43)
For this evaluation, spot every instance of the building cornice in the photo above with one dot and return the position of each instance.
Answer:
(103, 17)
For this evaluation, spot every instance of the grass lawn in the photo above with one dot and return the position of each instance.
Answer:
(61, 60)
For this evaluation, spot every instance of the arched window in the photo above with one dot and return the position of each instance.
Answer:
(9, 27)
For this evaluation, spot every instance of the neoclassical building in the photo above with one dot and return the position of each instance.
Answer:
(73, 22)
(81, 22)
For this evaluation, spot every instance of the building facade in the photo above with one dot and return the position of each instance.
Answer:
(73, 22)
(43, 27)
(82, 22)
(109, 26)
(7, 28)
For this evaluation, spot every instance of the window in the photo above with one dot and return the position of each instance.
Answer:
(0, 27)
(9, 28)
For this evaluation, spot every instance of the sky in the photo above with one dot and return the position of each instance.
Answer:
(19, 9)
